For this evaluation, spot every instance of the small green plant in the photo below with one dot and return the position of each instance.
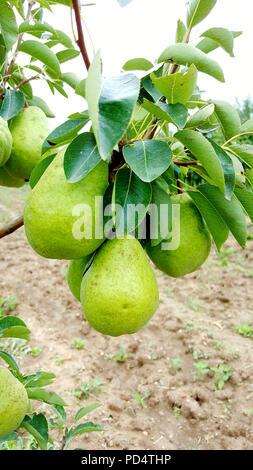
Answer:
(176, 364)
(140, 399)
(93, 387)
(177, 412)
(189, 327)
(7, 304)
(245, 330)
(79, 343)
(36, 351)
(223, 257)
(194, 306)
(202, 370)
(20, 443)
(120, 356)
(197, 354)
(59, 361)
(222, 375)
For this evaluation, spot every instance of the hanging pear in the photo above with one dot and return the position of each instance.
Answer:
(75, 273)
(119, 292)
(29, 129)
(65, 220)
(194, 246)
(13, 402)
(6, 179)
(5, 142)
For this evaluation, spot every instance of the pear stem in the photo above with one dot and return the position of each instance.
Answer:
(11, 227)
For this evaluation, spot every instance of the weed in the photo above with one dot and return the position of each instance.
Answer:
(93, 387)
(16, 347)
(59, 361)
(176, 364)
(222, 375)
(79, 343)
(189, 327)
(202, 369)
(194, 306)
(245, 330)
(140, 399)
(177, 412)
(119, 356)
(7, 304)
(199, 355)
(36, 351)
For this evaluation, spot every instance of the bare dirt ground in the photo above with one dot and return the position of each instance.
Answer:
(195, 324)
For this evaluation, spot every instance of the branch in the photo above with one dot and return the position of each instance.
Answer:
(24, 81)
(193, 162)
(80, 40)
(11, 227)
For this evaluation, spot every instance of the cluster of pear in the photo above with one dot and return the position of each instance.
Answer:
(14, 402)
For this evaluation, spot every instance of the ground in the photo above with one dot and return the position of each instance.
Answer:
(196, 323)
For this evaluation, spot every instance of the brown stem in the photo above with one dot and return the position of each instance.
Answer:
(193, 162)
(24, 81)
(179, 186)
(11, 227)
(80, 40)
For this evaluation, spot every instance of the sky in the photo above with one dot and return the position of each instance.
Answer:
(144, 28)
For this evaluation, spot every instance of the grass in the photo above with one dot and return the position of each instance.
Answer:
(176, 364)
(245, 330)
(139, 399)
(119, 356)
(93, 388)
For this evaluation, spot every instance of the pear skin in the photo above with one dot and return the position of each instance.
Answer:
(13, 402)
(61, 218)
(29, 129)
(5, 142)
(194, 246)
(119, 292)
(6, 179)
(75, 272)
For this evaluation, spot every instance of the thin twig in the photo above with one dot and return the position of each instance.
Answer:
(11, 227)
(24, 81)
(80, 40)
(193, 162)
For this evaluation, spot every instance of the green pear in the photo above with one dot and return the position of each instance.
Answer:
(13, 402)
(29, 130)
(5, 142)
(6, 179)
(61, 218)
(75, 272)
(194, 245)
(119, 292)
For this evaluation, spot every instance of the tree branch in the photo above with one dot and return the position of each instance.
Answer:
(11, 227)
(24, 81)
(187, 163)
(80, 40)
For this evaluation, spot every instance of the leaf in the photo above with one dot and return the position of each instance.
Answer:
(209, 45)
(81, 429)
(175, 113)
(138, 64)
(40, 379)
(92, 91)
(36, 28)
(81, 157)
(203, 151)
(10, 361)
(8, 25)
(181, 31)
(38, 427)
(71, 79)
(41, 52)
(64, 133)
(214, 221)
(160, 197)
(59, 88)
(13, 327)
(223, 37)
(40, 103)
(200, 117)
(249, 176)
(129, 192)
(178, 87)
(62, 38)
(80, 88)
(198, 10)
(67, 54)
(84, 411)
(184, 54)
(246, 199)
(247, 126)
(243, 152)
(230, 211)
(12, 104)
(40, 169)
(52, 398)
(228, 169)
(228, 117)
(148, 159)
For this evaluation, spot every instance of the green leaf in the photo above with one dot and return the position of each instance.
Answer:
(246, 199)
(244, 152)
(38, 427)
(130, 191)
(181, 31)
(10, 361)
(39, 169)
(52, 398)
(148, 158)
(198, 10)
(138, 64)
(203, 151)
(175, 113)
(8, 25)
(184, 54)
(81, 429)
(81, 157)
(62, 38)
(230, 211)
(36, 28)
(228, 117)
(71, 79)
(160, 196)
(80, 88)
(64, 133)
(84, 411)
(40, 379)
(178, 87)
(41, 52)
(13, 327)
(208, 45)
(247, 126)
(59, 88)
(12, 104)
(40, 103)
(223, 37)
(200, 117)
(67, 54)
(92, 91)
(228, 169)
(214, 221)
(249, 176)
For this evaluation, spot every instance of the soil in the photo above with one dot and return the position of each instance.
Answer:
(195, 323)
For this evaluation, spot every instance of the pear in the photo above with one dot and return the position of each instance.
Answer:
(194, 246)
(13, 402)
(60, 217)
(5, 142)
(119, 292)
(6, 179)
(29, 130)
(75, 272)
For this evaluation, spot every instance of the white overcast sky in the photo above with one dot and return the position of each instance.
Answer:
(143, 29)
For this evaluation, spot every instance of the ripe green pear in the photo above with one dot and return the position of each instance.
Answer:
(29, 130)
(194, 246)
(75, 272)
(60, 218)
(6, 179)
(119, 292)
(13, 402)
(5, 142)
